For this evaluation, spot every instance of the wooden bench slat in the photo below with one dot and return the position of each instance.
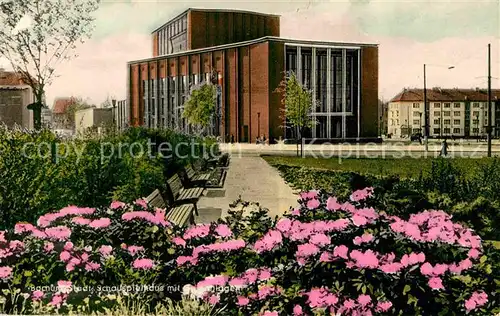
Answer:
(180, 215)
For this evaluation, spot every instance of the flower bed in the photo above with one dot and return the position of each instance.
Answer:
(329, 255)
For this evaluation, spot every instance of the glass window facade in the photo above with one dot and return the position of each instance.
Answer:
(173, 37)
(332, 75)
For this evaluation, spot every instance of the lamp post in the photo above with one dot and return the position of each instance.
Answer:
(113, 103)
(489, 129)
(426, 110)
(258, 124)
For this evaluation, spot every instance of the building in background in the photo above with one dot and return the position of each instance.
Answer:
(15, 96)
(242, 53)
(121, 116)
(62, 119)
(452, 112)
(92, 119)
(47, 118)
(382, 117)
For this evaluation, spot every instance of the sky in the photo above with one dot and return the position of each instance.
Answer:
(409, 33)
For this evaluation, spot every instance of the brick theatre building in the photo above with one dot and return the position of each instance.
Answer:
(242, 53)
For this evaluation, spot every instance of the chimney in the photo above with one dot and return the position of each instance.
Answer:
(477, 89)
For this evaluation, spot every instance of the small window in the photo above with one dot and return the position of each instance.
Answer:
(447, 122)
(436, 113)
(436, 121)
(456, 131)
(447, 105)
(475, 122)
(437, 131)
(475, 104)
(447, 113)
(447, 130)
(456, 122)
(475, 113)
(437, 105)
(416, 122)
(475, 130)
(456, 105)
(416, 105)
(456, 113)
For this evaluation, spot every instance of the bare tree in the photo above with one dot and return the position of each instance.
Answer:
(37, 35)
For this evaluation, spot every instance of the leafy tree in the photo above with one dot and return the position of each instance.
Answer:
(199, 108)
(37, 35)
(298, 105)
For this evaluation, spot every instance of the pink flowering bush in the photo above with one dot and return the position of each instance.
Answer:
(88, 247)
(340, 257)
(327, 256)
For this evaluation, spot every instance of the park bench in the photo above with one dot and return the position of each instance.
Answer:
(180, 195)
(179, 215)
(193, 178)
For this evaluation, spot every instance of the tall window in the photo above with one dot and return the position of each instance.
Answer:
(291, 59)
(321, 73)
(336, 81)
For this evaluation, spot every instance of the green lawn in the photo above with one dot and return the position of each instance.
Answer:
(404, 167)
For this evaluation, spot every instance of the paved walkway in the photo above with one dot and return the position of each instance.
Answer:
(256, 181)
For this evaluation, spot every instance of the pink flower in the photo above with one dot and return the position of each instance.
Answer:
(100, 223)
(81, 220)
(85, 257)
(439, 269)
(361, 195)
(426, 269)
(133, 250)
(364, 300)
(470, 304)
(270, 313)
(325, 257)
(117, 204)
(198, 231)
(75, 261)
(284, 225)
(320, 240)
(474, 253)
(5, 272)
(57, 300)
(144, 264)
(465, 264)
(65, 256)
(306, 250)
(349, 304)
(476, 300)
(391, 267)
(179, 241)
(48, 247)
(105, 250)
(70, 267)
(341, 251)
(332, 204)
(242, 301)
(181, 260)
(309, 195)
(358, 240)
(368, 259)
(64, 286)
(264, 275)
(436, 283)
(213, 299)
(92, 266)
(23, 228)
(68, 246)
(37, 295)
(313, 204)
(223, 230)
(218, 280)
(359, 220)
(384, 306)
(297, 310)
(2, 236)
(296, 212)
(269, 241)
(142, 203)
(60, 233)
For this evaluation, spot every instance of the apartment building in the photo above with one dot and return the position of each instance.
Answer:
(452, 112)
(241, 52)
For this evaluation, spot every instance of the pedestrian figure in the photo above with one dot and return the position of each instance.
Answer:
(264, 140)
(420, 139)
(444, 149)
(232, 139)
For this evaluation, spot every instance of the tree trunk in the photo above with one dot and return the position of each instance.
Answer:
(297, 141)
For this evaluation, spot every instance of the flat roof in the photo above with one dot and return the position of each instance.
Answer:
(213, 10)
(251, 42)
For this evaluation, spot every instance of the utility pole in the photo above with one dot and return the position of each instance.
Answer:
(426, 116)
(489, 101)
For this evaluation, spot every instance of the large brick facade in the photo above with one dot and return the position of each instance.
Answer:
(247, 66)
